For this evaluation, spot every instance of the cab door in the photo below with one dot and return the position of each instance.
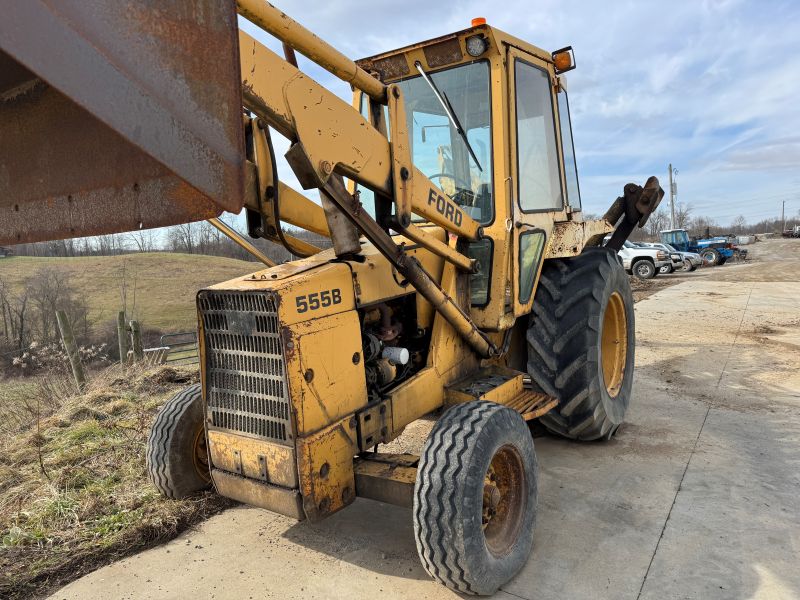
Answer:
(539, 198)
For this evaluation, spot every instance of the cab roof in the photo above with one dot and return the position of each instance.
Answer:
(443, 51)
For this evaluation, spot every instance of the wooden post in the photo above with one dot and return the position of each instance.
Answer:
(136, 335)
(122, 337)
(71, 348)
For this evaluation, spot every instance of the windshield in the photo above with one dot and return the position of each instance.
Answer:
(674, 237)
(437, 148)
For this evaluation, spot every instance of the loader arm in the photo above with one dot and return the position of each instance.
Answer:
(317, 120)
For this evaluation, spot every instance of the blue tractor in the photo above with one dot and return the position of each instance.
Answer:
(714, 250)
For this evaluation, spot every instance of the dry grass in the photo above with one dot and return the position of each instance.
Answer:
(166, 283)
(74, 492)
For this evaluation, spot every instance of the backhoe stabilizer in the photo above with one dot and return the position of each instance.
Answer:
(632, 209)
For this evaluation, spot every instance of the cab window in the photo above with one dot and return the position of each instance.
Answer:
(437, 149)
(570, 165)
(537, 152)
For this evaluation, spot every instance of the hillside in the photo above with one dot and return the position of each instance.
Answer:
(165, 284)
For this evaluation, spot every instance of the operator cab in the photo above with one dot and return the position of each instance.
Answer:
(461, 92)
(677, 238)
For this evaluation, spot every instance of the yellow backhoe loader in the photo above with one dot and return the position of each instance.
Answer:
(462, 277)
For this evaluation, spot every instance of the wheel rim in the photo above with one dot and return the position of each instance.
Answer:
(614, 344)
(200, 455)
(504, 500)
(643, 269)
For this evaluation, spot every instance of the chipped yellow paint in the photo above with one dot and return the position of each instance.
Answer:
(325, 465)
(325, 370)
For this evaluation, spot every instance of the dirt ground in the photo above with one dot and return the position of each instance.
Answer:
(697, 496)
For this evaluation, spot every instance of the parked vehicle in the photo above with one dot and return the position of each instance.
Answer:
(713, 251)
(792, 232)
(643, 262)
(676, 261)
(689, 261)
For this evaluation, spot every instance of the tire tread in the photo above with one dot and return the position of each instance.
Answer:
(158, 444)
(565, 323)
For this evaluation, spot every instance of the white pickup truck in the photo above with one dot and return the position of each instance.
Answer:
(644, 263)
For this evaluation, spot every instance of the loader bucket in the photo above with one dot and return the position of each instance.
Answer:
(117, 115)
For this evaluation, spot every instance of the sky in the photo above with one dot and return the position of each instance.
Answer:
(710, 86)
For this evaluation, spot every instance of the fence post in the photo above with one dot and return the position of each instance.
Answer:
(136, 334)
(122, 336)
(71, 348)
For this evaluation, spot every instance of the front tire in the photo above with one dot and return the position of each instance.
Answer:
(177, 462)
(581, 344)
(475, 497)
(644, 269)
(666, 270)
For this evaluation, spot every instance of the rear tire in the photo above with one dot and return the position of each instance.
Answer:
(581, 343)
(644, 269)
(475, 497)
(177, 462)
(710, 256)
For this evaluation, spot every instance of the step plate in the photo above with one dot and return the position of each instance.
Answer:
(503, 386)
(532, 405)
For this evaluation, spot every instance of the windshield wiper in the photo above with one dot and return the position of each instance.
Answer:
(448, 109)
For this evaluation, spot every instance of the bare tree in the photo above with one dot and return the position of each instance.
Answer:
(107, 245)
(703, 227)
(683, 213)
(15, 316)
(127, 287)
(183, 238)
(143, 240)
(50, 290)
(658, 221)
(739, 224)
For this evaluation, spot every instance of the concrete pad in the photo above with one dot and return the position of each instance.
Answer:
(709, 455)
(735, 529)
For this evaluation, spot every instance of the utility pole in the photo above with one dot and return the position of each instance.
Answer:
(672, 194)
(783, 216)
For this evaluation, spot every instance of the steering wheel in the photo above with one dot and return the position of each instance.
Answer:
(458, 183)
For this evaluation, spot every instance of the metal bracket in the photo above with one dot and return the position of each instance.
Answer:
(402, 176)
(374, 425)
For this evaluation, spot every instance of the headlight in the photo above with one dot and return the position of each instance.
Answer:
(476, 45)
(661, 255)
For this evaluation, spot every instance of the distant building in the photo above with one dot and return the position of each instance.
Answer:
(4, 251)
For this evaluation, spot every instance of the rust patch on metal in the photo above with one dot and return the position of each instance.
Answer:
(388, 68)
(139, 97)
(443, 53)
(331, 452)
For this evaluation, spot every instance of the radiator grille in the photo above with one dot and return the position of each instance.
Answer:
(246, 388)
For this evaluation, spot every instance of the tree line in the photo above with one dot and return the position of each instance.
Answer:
(203, 238)
(189, 238)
